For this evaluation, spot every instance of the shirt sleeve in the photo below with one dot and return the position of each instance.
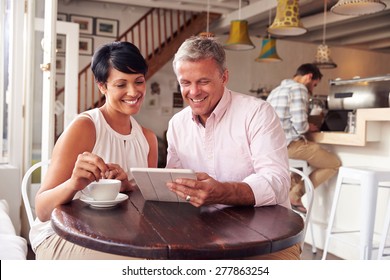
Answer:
(271, 181)
(299, 110)
(173, 160)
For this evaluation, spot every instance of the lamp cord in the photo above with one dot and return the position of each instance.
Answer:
(324, 26)
(269, 22)
(239, 10)
(208, 16)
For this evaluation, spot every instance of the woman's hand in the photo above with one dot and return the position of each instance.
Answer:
(88, 168)
(116, 172)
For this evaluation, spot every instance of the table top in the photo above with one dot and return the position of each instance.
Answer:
(171, 230)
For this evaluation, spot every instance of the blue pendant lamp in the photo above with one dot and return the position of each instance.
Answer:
(268, 47)
(268, 51)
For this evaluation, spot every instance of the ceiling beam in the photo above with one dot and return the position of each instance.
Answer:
(333, 31)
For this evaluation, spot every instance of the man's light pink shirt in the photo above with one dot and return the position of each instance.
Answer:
(242, 141)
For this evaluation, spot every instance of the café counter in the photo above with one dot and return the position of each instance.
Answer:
(368, 129)
(368, 146)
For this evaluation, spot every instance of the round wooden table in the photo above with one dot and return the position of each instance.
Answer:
(171, 230)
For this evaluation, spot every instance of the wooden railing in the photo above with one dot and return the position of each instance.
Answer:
(151, 34)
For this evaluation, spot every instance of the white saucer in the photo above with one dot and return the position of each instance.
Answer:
(104, 203)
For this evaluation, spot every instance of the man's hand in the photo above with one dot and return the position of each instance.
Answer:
(206, 190)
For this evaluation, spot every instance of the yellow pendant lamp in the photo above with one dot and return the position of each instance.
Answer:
(239, 36)
(268, 51)
(287, 21)
(357, 7)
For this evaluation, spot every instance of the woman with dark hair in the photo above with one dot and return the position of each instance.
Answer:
(100, 143)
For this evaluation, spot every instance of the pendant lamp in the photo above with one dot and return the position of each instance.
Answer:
(322, 59)
(268, 47)
(239, 36)
(357, 7)
(287, 21)
(268, 51)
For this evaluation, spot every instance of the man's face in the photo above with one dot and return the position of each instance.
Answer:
(311, 84)
(202, 85)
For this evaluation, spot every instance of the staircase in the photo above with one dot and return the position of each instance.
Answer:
(158, 35)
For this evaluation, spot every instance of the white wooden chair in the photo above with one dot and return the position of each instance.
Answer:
(309, 196)
(28, 192)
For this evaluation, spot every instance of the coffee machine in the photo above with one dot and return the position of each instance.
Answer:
(348, 95)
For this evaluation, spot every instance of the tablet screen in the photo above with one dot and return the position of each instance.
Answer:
(152, 182)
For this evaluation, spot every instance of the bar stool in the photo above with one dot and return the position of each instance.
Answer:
(304, 166)
(385, 231)
(369, 179)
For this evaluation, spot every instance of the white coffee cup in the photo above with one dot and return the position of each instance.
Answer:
(103, 190)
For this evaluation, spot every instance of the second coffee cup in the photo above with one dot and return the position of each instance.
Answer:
(103, 190)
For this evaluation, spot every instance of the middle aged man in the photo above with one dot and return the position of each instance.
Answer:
(233, 141)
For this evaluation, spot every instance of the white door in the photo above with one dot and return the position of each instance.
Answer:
(42, 76)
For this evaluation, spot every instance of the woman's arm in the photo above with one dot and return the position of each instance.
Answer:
(153, 147)
(71, 169)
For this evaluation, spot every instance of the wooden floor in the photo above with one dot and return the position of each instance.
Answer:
(306, 254)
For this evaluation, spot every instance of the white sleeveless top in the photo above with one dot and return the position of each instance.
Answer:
(125, 150)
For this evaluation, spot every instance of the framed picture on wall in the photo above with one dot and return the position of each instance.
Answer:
(61, 44)
(62, 17)
(85, 23)
(153, 102)
(106, 27)
(60, 64)
(85, 45)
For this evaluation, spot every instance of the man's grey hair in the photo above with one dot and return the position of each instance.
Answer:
(197, 48)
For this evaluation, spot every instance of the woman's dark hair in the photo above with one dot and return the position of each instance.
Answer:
(309, 68)
(122, 56)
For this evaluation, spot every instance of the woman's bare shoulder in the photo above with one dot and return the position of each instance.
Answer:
(149, 134)
(80, 133)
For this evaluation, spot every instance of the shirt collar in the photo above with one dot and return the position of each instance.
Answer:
(221, 108)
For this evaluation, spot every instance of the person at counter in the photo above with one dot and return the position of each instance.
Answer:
(233, 141)
(291, 102)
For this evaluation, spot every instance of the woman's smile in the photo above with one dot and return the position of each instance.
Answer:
(132, 101)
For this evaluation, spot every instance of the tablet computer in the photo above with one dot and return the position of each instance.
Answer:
(152, 182)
